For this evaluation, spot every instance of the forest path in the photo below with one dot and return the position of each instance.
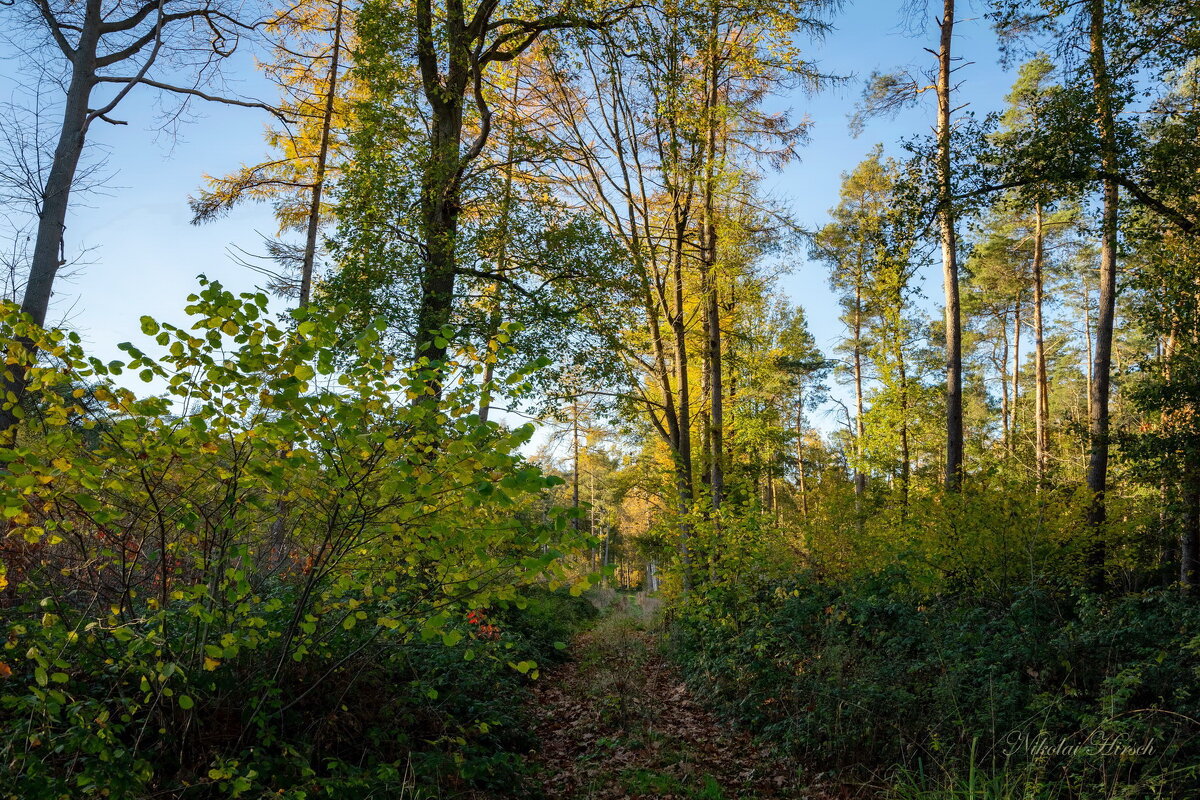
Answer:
(617, 723)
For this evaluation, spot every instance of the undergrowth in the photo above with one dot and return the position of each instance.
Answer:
(1045, 693)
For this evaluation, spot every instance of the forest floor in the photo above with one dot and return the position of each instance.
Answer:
(616, 722)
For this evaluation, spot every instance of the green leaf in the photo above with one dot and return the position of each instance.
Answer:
(87, 503)
(185, 702)
(303, 372)
(149, 326)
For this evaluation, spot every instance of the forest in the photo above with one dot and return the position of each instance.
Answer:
(524, 470)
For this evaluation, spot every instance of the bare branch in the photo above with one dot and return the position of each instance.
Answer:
(229, 101)
(55, 29)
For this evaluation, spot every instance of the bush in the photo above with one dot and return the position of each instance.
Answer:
(262, 579)
(870, 673)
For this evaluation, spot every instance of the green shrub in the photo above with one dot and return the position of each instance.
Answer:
(871, 674)
(261, 580)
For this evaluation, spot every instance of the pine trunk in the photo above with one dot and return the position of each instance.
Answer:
(949, 243)
(1042, 410)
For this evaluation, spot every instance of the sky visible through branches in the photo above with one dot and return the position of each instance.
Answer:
(142, 255)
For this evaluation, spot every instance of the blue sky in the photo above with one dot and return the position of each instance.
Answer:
(873, 36)
(145, 255)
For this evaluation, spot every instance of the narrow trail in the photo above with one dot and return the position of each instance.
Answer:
(617, 723)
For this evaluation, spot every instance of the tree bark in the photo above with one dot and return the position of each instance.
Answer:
(860, 477)
(439, 217)
(48, 250)
(949, 244)
(683, 454)
(575, 458)
(1015, 394)
(1002, 369)
(1042, 397)
(800, 481)
(708, 258)
(1098, 418)
(278, 530)
(905, 455)
(314, 211)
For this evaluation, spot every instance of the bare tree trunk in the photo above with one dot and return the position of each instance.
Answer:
(800, 456)
(1098, 418)
(683, 454)
(489, 367)
(48, 251)
(1042, 399)
(905, 456)
(575, 457)
(716, 387)
(708, 258)
(604, 563)
(705, 401)
(1089, 340)
(278, 531)
(1016, 377)
(314, 211)
(1002, 367)
(946, 222)
(860, 477)
(592, 512)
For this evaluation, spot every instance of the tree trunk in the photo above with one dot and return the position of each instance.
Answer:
(708, 258)
(489, 367)
(440, 181)
(1098, 419)
(860, 477)
(1042, 398)
(314, 211)
(1088, 339)
(277, 547)
(683, 453)
(905, 456)
(705, 403)
(716, 388)
(946, 222)
(1002, 368)
(439, 216)
(575, 458)
(1015, 394)
(800, 482)
(48, 248)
